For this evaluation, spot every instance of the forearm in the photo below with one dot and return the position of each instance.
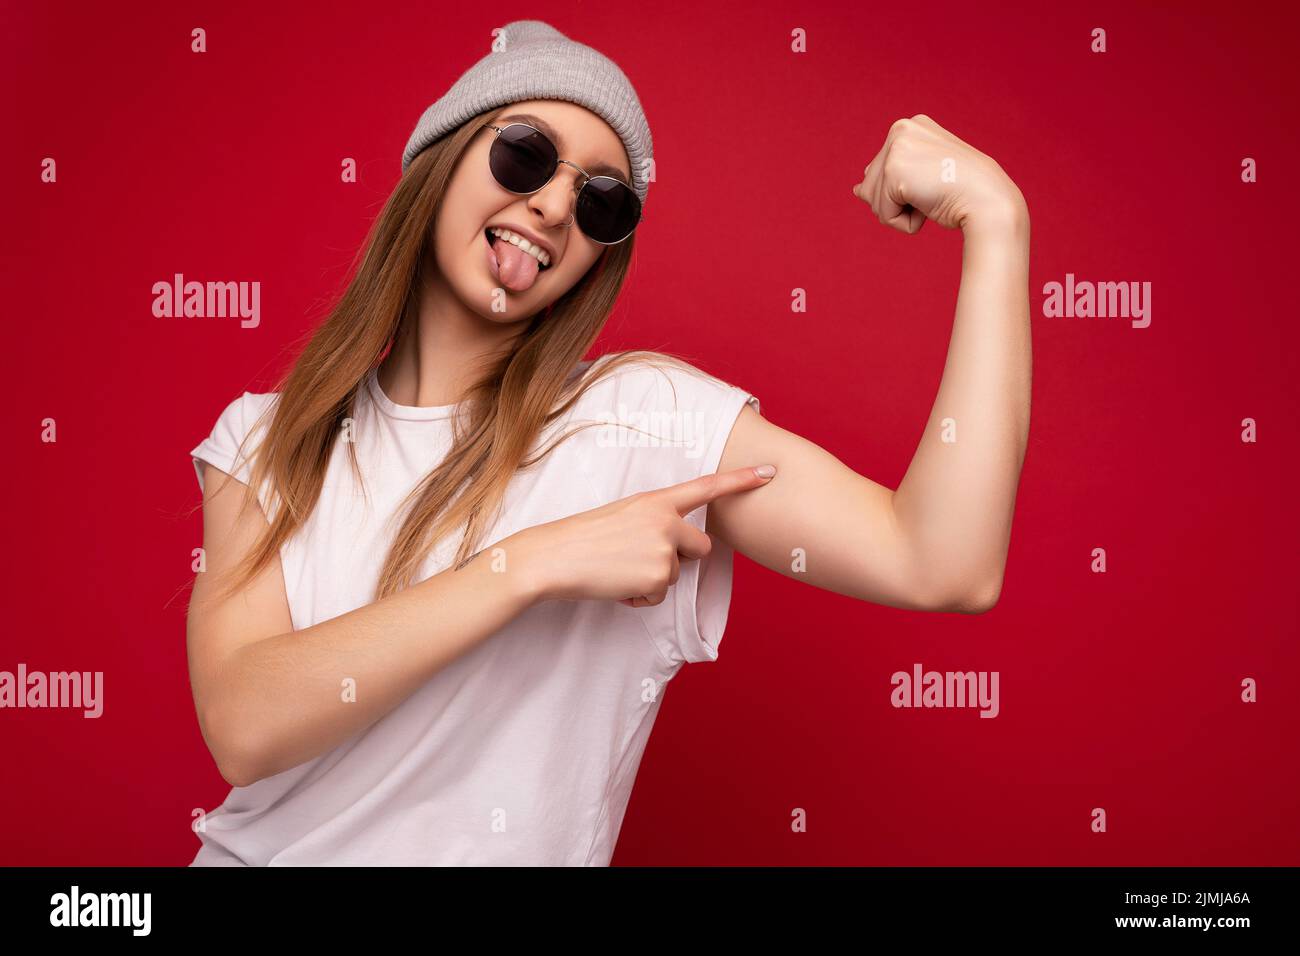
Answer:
(954, 505)
(284, 700)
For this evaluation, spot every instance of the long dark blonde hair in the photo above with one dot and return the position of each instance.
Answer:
(505, 409)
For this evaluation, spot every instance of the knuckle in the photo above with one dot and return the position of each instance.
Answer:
(659, 535)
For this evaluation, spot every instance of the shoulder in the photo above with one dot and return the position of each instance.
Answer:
(658, 381)
(244, 412)
(660, 419)
(235, 435)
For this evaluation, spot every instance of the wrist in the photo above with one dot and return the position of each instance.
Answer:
(1006, 218)
(526, 576)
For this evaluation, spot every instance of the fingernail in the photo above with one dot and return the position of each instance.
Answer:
(765, 471)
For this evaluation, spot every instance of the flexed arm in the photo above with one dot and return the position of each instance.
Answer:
(940, 541)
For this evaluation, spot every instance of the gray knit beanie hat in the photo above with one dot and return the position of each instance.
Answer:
(532, 60)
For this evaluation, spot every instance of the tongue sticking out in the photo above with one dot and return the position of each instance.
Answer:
(516, 268)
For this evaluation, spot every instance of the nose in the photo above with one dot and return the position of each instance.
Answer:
(556, 200)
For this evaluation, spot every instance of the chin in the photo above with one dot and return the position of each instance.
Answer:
(518, 307)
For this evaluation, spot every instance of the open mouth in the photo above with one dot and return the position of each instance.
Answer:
(491, 239)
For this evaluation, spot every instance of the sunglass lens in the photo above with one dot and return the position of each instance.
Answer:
(607, 210)
(522, 159)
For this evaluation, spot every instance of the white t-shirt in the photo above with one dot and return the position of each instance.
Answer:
(522, 751)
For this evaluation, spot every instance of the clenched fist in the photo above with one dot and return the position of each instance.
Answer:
(925, 172)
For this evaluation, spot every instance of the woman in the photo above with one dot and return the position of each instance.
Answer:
(443, 636)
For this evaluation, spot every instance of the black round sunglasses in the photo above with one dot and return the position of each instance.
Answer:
(523, 160)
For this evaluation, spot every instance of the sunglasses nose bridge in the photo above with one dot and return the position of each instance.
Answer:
(582, 173)
(573, 190)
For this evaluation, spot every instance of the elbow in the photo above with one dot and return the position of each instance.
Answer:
(970, 600)
(986, 599)
(237, 772)
(236, 758)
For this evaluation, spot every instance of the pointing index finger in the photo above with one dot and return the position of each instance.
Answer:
(689, 495)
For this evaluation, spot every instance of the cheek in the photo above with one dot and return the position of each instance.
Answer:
(456, 223)
(580, 257)
(469, 201)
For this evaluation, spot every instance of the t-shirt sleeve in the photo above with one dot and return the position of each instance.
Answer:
(673, 425)
(222, 448)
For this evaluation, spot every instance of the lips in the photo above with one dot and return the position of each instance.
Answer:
(523, 233)
(493, 264)
(491, 239)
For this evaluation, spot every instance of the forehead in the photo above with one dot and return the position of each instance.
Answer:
(605, 159)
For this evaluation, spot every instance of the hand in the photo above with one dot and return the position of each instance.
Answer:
(629, 550)
(924, 172)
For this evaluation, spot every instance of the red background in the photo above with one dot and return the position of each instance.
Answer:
(1119, 690)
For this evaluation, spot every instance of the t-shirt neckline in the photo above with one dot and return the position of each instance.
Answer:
(419, 413)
